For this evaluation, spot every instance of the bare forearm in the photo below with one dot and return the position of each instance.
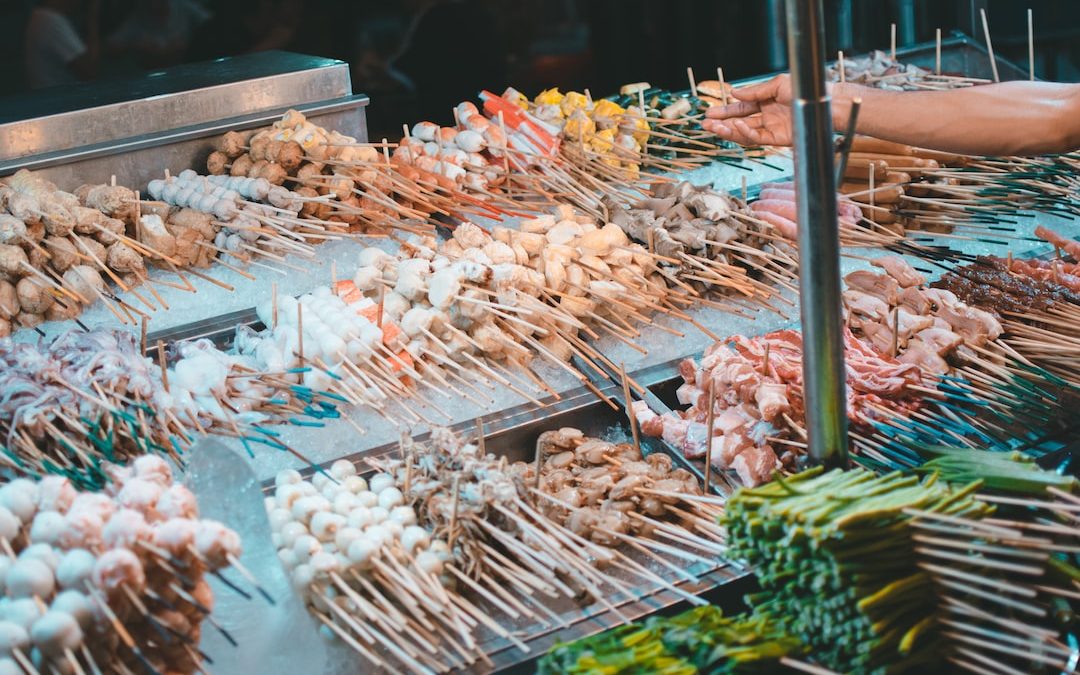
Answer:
(1012, 118)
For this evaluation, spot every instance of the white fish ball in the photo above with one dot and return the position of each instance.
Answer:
(9, 524)
(75, 568)
(288, 559)
(324, 525)
(43, 552)
(302, 577)
(428, 562)
(415, 537)
(47, 527)
(286, 495)
(342, 469)
(287, 477)
(278, 519)
(23, 611)
(306, 546)
(380, 482)
(345, 502)
(378, 533)
(403, 514)
(346, 536)
(361, 551)
(13, 636)
(76, 604)
(393, 529)
(56, 632)
(391, 497)
(355, 484)
(290, 532)
(30, 577)
(359, 517)
(378, 515)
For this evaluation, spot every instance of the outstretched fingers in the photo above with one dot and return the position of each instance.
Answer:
(737, 109)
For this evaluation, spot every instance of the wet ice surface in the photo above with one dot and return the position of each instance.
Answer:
(228, 491)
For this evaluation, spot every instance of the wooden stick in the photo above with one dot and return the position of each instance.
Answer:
(937, 53)
(164, 365)
(723, 88)
(1031, 47)
(693, 82)
(629, 407)
(892, 41)
(273, 305)
(989, 45)
(709, 419)
(840, 67)
(300, 333)
(452, 530)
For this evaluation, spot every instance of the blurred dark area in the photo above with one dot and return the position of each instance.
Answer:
(417, 58)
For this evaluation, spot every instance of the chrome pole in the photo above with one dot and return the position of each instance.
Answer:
(775, 36)
(819, 238)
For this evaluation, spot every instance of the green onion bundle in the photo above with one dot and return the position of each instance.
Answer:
(1005, 472)
(836, 562)
(700, 640)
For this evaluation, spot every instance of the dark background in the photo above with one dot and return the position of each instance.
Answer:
(416, 68)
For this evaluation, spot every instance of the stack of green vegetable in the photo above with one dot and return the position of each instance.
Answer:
(1005, 472)
(835, 558)
(700, 640)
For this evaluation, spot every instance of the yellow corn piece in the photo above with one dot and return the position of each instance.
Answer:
(574, 101)
(606, 108)
(579, 125)
(603, 141)
(549, 97)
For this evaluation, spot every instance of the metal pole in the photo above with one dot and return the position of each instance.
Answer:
(775, 34)
(906, 18)
(819, 238)
(844, 35)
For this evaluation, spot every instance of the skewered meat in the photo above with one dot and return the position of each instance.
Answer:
(898, 268)
(882, 287)
(34, 296)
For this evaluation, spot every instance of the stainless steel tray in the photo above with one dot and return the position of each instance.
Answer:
(514, 435)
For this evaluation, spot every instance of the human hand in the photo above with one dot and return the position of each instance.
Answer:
(761, 116)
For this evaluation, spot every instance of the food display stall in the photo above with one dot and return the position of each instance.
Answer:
(279, 395)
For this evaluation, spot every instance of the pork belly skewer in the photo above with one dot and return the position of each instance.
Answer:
(1037, 302)
(756, 385)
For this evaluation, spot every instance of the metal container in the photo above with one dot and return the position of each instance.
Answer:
(134, 129)
(513, 435)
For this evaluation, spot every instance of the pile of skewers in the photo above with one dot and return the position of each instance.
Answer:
(1037, 301)
(108, 582)
(58, 249)
(884, 71)
(861, 614)
(408, 565)
(698, 640)
(889, 179)
(92, 396)
(745, 397)
(896, 313)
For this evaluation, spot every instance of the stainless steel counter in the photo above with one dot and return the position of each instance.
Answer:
(134, 129)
